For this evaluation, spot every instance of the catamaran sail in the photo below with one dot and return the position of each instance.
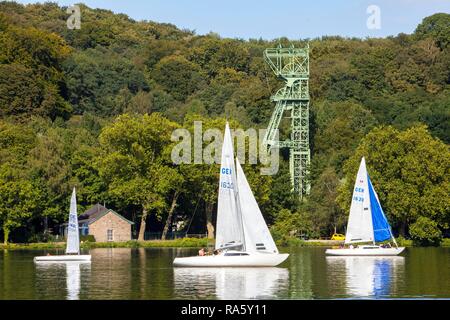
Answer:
(367, 221)
(73, 239)
(229, 231)
(257, 234)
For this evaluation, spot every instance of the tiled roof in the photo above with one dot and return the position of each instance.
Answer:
(96, 212)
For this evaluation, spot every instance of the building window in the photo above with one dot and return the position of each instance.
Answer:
(109, 235)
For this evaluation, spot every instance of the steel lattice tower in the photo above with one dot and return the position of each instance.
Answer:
(292, 65)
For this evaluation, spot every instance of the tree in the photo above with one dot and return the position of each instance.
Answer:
(135, 162)
(96, 79)
(31, 78)
(178, 76)
(437, 27)
(322, 208)
(291, 224)
(50, 173)
(410, 172)
(425, 232)
(337, 129)
(17, 200)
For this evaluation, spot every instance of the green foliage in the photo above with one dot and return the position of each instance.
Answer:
(31, 79)
(437, 27)
(63, 94)
(17, 201)
(425, 232)
(291, 224)
(402, 242)
(135, 162)
(87, 238)
(178, 76)
(98, 81)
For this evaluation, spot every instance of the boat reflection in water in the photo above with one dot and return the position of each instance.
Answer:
(48, 270)
(365, 276)
(230, 283)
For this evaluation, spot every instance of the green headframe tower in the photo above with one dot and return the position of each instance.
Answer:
(292, 66)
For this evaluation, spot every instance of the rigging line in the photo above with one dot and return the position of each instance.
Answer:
(195, 211)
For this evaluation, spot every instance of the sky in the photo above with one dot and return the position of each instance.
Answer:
(271, 19)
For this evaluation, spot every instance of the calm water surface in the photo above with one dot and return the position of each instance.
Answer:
(148, 274)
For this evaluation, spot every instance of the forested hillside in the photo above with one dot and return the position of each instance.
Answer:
(95, 107)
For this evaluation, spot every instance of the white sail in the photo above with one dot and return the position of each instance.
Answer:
(257, 234)
(73, 238)
(229, 223)
(359, 227)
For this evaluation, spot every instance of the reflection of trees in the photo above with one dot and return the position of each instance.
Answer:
(16, 279)
(427, 272)
(110, 273)
(300, 282)
(154, 273)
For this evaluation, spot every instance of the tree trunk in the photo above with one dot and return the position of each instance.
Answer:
(5, 235)
(169, 216)
(209, 225)
(403, 229)
(143, 224)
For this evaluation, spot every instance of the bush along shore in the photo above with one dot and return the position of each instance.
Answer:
(183, 243)
(186, 243)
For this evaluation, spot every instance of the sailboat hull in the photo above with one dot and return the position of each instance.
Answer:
(365, 251)
(63, 258)
(250, 260)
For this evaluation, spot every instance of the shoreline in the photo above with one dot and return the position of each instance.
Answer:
(180, 243)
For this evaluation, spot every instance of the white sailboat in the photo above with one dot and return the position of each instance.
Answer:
(73, 238)
(366, 222)
(242, 238)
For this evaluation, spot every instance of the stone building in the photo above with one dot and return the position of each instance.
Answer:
(104, 224)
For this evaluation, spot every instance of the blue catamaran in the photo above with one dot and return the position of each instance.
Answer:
(367, 223)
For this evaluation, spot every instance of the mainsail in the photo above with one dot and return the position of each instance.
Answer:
(360, 227)
(257, 235)
(229, 231)
(73, 241)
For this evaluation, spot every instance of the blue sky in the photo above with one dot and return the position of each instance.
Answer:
(271, 19)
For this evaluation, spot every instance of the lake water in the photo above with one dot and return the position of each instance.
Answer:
(121, 273)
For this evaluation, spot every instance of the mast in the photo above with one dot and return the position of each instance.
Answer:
(238, 208)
